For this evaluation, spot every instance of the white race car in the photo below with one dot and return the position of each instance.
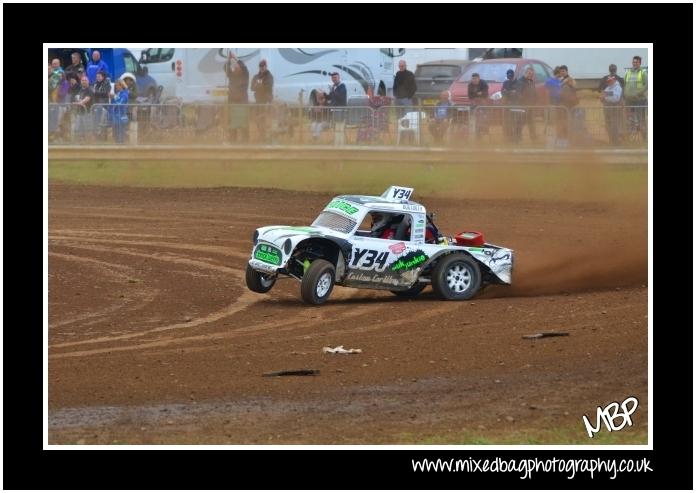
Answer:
(402, 252)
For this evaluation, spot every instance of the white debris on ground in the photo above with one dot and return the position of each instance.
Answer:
(340, 350)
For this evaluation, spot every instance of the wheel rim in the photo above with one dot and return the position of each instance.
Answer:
(458, 278)
(323, 285)
(265, 281)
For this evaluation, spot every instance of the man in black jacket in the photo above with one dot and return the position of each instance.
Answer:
(75, 69)
(510, 115)
(102, 91)
(528, 97)
(404, 86)
(262, 85)
(338, 94)
(237, 98)
(477, 91)
(337, 97)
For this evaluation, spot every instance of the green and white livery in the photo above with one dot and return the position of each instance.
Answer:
(338, 249)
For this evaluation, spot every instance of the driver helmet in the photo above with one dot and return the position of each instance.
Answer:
(379, 221)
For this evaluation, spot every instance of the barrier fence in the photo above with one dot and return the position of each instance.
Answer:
(282, 124)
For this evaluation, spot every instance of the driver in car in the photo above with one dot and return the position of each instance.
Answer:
(384, 227)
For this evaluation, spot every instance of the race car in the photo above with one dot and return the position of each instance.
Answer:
(403, 252)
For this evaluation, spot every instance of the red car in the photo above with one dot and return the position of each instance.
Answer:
(494, 73)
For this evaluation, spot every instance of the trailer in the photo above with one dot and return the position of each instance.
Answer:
(196, 75)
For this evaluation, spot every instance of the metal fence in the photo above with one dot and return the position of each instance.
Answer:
(282, 124)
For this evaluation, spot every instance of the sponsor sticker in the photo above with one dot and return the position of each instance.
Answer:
(398, 248)
(268, 254)
(409, 261)
(343, 206)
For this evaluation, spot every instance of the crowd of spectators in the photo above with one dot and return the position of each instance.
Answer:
(89, 105)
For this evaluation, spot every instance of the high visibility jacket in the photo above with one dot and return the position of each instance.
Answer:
(636, 84)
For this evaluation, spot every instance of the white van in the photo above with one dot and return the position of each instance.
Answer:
(196, 75)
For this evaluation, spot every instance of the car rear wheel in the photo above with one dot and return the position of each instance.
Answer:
(318, 282)
(257, 282)
(456, 277)
(412, 291)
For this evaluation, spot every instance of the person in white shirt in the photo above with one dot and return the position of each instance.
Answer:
(611, 99)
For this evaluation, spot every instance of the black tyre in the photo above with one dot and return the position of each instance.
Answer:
(318, 282)
(456, 277)
(412, 291)
(257, 282)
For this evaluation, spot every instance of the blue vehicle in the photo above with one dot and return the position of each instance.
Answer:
(119, 61)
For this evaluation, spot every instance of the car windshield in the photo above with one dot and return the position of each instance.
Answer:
(438, 71)
(334, 221)
(490, 72)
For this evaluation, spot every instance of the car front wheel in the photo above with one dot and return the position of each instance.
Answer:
(257, 282)
(456, 277)
(318, 282)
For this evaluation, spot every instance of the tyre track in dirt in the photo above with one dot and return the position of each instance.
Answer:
(242, 303)
(109, 269)
(215, 356)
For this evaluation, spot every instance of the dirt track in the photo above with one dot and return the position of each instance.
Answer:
(154, 338)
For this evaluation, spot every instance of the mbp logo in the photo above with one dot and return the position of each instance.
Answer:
(609, 415)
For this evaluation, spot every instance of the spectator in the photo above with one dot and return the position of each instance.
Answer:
(439, 124)
(57, 93)
(75, 68)
(318, 115)
(568, 94)
(95, 66)
(636, 96)
(338, 94)
(612, 73)
(63, 89)
(68, 118)
(404, 86)
(511, 117)
(101, 91)
(337, 98)
(238, 98)
(73, 87)
(553, 87)
(559, 115)
(129, 80)
(55, 77)
(119, 114)
(611, 98)
(82, 103)
(528, 98)
(568, 98)
(262, 86)
(477, 90)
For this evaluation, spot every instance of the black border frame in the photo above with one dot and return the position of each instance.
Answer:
(26, 465)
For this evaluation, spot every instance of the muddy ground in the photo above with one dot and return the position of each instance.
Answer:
(154, 338)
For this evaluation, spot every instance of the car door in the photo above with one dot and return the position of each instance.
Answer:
(383, 264)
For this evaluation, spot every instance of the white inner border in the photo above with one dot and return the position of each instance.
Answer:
(649, 446)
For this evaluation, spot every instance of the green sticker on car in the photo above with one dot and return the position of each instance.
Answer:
(342, 205)
(409, 261)
(268, 254)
